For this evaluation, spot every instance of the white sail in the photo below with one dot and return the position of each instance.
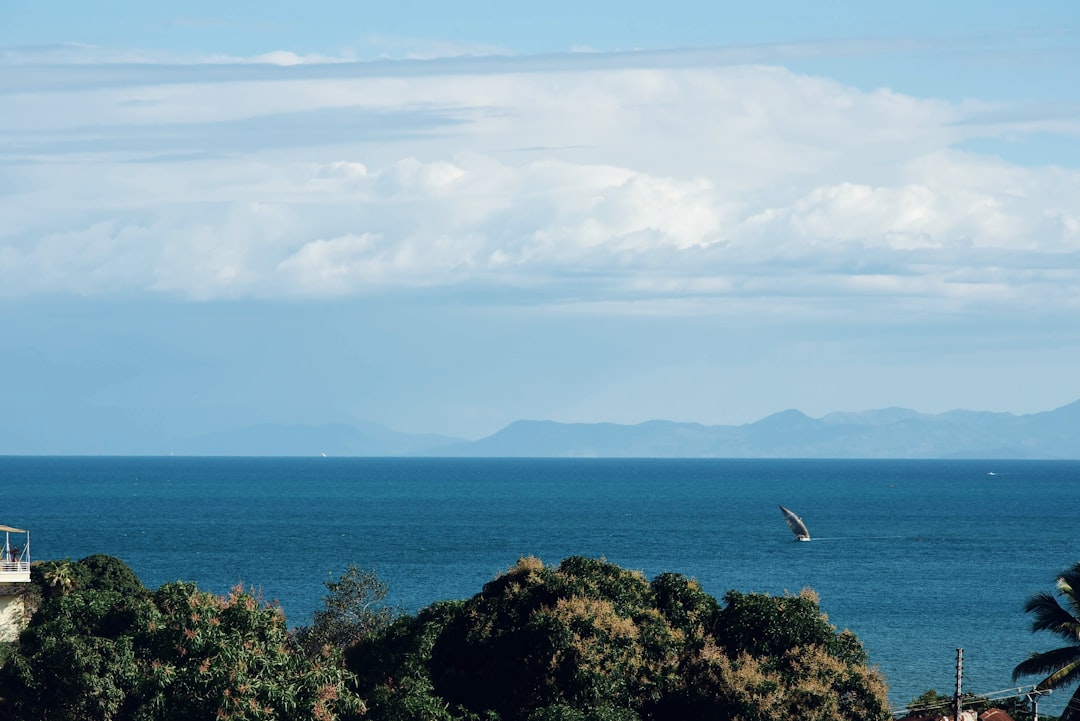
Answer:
(795, 524)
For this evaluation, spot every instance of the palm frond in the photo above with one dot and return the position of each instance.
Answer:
(1068, 585)
(1063, 677)
(1050, 616)
(1062, 666)
(1040, 599)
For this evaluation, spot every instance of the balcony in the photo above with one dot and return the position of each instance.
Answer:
(15, 560)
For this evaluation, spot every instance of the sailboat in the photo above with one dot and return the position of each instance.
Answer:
(795, 524)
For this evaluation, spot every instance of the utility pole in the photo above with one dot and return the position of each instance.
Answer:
(959, 683)
(1033, 696)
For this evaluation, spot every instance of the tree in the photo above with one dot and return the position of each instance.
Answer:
(584, 635)
(55, 578)
(98, 572)
(101, 572)
(75, 660)
(212, 657)
(779, 658)
(590, 641)
(1061, 666)
(354, 608)
(393, 668)
(769, 626)
(181, 653)
(930, 703)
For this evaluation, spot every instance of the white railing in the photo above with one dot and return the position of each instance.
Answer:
(15, 559)
(14, 571)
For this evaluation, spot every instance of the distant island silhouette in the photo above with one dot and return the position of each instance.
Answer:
(885, 433)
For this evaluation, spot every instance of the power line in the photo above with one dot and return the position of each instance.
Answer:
(970, 700)
(959, 699)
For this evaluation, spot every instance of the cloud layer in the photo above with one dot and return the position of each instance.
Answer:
(705, 184)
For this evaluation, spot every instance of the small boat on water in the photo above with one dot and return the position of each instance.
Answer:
(795, 524)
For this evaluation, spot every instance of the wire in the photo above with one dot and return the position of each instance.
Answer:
(970, 699)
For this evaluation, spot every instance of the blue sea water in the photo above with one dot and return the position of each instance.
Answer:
(918, 558)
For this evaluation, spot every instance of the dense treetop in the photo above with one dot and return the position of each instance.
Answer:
(103, 647)
(582, 641)
(590, 640)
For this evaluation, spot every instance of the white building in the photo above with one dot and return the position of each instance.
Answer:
(14, 583)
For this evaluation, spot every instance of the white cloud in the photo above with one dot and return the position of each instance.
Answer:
(281, 57)
(65, 54)
(629, 185)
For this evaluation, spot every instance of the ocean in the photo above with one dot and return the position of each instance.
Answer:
(918, 558)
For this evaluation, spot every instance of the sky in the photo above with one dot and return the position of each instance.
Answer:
(447, 216)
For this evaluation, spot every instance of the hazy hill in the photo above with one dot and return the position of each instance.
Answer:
(887, 433)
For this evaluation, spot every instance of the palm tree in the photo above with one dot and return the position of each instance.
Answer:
(60, 577)
(1061, 665)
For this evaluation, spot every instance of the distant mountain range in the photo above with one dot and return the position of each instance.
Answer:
(887, 433)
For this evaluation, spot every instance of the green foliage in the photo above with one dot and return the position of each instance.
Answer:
(74, 660)
(928, 703)
(53, 578)
(97, 653)
(98, 572)
(393, 668)
(1059, 667)
(769, 626)
(107, 573)
(589, 641)
(231, 658)
(583, 641)
(7, 651)
(582, 635)
(778, 679)
(563, 712)
(684, 604)
(353, 609)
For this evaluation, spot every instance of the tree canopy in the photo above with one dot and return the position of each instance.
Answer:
(111, 651)
(590, 641)
(582, 641)
(354, 607)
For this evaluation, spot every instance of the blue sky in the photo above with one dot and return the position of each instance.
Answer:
(444, 217)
